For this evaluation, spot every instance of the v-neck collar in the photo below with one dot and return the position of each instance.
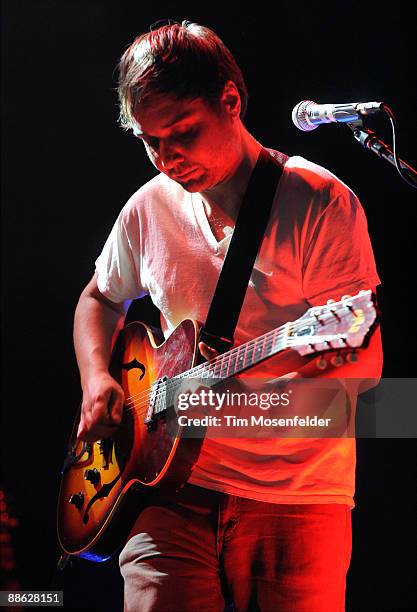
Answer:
(219, 246)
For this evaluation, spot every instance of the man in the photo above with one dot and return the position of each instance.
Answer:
(262, 523)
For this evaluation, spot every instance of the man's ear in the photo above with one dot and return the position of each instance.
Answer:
(230, 99)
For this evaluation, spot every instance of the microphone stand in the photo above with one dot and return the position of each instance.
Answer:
(368, 139)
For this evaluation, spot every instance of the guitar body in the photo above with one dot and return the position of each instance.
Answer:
(106, 483)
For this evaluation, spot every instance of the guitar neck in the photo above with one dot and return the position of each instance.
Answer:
(334, 326)
(242, 357)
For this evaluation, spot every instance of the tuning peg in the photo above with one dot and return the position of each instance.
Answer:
(334, 313)
(317, 317)
(336, 360)
(348, 305)
(352, 357)
(321, 363)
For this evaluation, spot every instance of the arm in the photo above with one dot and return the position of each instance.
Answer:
(337, 259)
(96, 321)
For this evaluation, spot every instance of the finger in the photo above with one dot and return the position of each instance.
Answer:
(97, 432)
(291, 375)
(189, 386)
(101, 409)
(85, 413)
(80, 430)
(288, 376)
(115, 408)
(207, 352)
(86, 407)
(207, 348)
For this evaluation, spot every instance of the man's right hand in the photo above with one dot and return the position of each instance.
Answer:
(101, 408)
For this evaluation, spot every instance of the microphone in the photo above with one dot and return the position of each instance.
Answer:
(308, 115)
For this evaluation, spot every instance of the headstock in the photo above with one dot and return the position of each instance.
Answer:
(337, 325)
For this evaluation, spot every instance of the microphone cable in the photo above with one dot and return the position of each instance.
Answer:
(397, 161)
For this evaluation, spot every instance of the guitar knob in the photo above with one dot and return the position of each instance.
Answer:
(77, 499)
(352, 357)
(321, 363)
(92, 476)
(337, 360)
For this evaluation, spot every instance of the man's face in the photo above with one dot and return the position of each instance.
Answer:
(191, 142)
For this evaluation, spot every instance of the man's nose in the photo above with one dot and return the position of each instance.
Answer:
(170, 156)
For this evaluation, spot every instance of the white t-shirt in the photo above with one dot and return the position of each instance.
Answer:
(316, 247)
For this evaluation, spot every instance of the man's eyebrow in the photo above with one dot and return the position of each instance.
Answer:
(180, 117)
(183, 115)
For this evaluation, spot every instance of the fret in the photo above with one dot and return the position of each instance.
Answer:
(274, 339)
(217, 368)
(250, 353)
(209, 371)
(205, 372)
(240, 357)
(233, 360)
(260, 348)
(264, 344)
(244, 354)
(223, 367)
(228, 358)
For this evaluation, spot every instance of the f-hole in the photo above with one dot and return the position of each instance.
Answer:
(134, 364)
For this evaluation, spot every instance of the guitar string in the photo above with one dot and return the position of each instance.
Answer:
(173, 382)
(270, 338)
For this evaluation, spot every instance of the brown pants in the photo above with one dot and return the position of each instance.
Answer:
(205, 551)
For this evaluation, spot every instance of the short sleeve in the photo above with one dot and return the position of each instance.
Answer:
(118, 265)
(339, 258)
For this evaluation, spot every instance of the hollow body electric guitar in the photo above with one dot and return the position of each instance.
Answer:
(105, 483)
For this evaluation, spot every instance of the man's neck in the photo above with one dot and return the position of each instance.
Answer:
(228, 196)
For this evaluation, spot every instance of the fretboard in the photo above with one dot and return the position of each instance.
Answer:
(242, 357)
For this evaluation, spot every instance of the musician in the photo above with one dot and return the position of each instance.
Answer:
(264, 524)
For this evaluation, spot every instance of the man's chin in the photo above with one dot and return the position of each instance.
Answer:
(192, 185)
(191, 188)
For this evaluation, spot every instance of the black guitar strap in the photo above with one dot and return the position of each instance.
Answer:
(251, 223)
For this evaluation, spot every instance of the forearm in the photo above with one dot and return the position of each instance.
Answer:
(95, 323)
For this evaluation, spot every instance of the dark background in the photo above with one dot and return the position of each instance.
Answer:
(68, 169)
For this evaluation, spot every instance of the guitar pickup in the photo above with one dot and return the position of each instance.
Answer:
(157, 403)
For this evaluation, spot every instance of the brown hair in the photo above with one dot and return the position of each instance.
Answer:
(184, 59)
